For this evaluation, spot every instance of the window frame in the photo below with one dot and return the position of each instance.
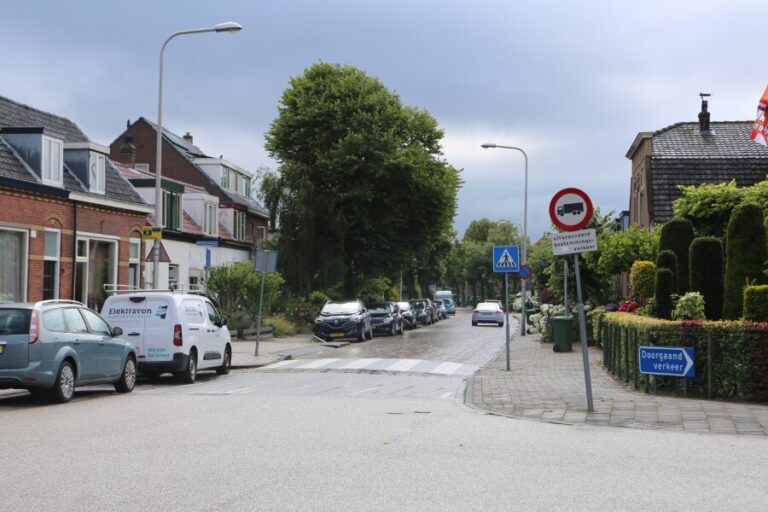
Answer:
(210, 219)
(239, 225)
(56, 259)
(24, 263)
(101, 172)
(171, 199)
(134, 262)
(46, 161)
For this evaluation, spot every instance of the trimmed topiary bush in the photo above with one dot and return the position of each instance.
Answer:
(663, 294)
(689, 307)
(676, 236)
(756, 303)
(641, 279)
(707, 266)
(668, 259)
(746, 242)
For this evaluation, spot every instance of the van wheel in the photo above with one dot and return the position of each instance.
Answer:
(64, 388)
(189, 374)
(226, 365)
(127, 380)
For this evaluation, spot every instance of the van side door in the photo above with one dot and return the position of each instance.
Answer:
(194, 326)
(214, 355)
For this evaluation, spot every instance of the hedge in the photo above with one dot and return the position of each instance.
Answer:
(756, 303)
(746, 249)
(677, 235)
(663, 295)
(668, 259)
(731, 357)
(706, 269)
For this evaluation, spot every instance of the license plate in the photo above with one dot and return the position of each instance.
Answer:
(337, 335)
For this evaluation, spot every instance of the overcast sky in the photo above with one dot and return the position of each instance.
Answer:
(572, 83)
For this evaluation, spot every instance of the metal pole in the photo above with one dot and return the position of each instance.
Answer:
(583, 336)
(506, 311)
(261, 302)
(524, 282)
(565, 288)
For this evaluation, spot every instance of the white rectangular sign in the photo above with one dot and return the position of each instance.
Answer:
(573, 242)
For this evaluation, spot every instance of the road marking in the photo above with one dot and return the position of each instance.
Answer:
(447, 368)
(359, 364)
(365, 390)
(403, 365)
(447, 395)
(317, 363)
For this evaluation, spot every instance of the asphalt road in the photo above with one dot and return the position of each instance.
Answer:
(354, 440)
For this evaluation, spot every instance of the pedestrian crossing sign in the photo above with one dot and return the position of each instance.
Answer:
(506, 258)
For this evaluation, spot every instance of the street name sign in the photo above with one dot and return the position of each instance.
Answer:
(667, 361)
(506, 258)
(570, 209)
(574, 242)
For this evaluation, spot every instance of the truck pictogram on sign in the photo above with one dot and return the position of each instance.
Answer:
(572, 208)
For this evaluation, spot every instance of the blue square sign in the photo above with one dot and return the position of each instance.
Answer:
(506, 258)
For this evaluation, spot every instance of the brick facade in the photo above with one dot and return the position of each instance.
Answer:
(33, 213)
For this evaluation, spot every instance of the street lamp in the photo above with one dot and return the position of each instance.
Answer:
(524, 258)
(229, 26)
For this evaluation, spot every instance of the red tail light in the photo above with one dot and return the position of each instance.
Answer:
(34, 327)
(477, 311)
(178, 339)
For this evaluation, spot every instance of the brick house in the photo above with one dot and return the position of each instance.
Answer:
(690, 154)
(70, 223)
(238, 213)
(195, 241)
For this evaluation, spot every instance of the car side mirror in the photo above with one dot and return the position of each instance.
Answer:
(223, 321)
(116, 331)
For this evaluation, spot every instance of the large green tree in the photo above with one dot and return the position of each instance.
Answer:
(362, 190)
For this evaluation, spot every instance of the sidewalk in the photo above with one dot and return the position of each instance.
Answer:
(273, 350)
(548, 386)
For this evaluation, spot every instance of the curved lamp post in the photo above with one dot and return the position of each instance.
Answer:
(524, 257)
(229, 26)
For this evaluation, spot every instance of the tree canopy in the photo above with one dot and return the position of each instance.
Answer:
(362, 190)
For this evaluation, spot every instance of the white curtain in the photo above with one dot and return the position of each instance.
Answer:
(11, 265)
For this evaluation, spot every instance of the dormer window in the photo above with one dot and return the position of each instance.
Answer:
(210, 219)
(97, 173)
(52, 158)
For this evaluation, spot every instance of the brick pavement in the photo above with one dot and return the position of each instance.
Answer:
(548, 386)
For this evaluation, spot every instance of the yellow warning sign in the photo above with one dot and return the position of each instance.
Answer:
(151, 233)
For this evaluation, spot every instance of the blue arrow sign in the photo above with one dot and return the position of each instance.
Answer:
(506, 258)
(669, 361)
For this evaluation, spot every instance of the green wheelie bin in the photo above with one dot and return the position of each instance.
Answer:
(562, 330)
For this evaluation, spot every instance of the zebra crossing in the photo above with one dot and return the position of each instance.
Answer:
(377, 365)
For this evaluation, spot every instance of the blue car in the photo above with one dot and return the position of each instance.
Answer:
(55, 345)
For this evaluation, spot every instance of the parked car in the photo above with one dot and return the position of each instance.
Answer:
(488, 312)
(433, 309)
(173, 331)
(442, 311)
(409, 315)
(385, 318)
(425, 311)
(344, 319)
(54, 346)
(450, 307)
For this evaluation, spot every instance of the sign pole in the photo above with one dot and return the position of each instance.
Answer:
(583, 336)
(506, 312)
(261, 303)
(565, 288)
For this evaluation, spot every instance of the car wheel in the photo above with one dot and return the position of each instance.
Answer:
(127, 380)
(501, 324)
(64, 388)
(362, 335)
(227, 364)
(392, 329)
(189, 374)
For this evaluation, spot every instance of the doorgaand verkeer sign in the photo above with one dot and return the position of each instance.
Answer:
(668, 361)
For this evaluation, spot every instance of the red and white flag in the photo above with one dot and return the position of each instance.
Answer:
(760, 129)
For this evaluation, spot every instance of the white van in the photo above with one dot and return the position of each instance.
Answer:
(173, 331)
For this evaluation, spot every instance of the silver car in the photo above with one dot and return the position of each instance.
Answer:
(490, 312)
(55, 345)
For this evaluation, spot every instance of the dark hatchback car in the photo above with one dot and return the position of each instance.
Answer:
(349, 319)
(425, 311)
(409, 315)
(385, 318)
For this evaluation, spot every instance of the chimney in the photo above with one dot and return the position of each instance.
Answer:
(128, 151)
(188, 137)
(704, 114)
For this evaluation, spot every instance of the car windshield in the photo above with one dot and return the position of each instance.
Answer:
(404, 306)
(378, 308)
(418, 304)
(339, 308)
(15, 321)
(488, 306)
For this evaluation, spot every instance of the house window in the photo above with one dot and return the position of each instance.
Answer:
(247, 187)
(239, 233)
(225, 178)
(51, 264)
(210, 222)
(261, 233)
(13, 271)
(134, 263)
(173, 276)
(51, 161)
(172, 210)
(141, 167)
(640, 209)
(95, 266)
(97, 173)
